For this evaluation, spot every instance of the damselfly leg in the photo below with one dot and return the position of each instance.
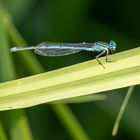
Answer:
(97, 57)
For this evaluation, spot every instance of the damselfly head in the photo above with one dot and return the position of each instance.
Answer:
(112, 46)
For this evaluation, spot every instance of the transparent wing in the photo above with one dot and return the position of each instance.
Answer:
(55, 52)
(56, 49)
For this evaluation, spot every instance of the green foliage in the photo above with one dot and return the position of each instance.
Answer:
(68, 21)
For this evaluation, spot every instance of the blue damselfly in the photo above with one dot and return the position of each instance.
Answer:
(60, 49)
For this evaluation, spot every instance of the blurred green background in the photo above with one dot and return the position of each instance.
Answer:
(76, 21)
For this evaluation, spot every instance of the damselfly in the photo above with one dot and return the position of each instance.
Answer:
(60, 49)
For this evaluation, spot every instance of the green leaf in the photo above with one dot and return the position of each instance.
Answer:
(73, 81)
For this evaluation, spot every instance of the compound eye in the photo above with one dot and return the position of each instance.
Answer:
(112, 45)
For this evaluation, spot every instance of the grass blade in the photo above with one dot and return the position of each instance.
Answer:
(77, 80)
(3, 135)
(83, 99)
(119, 117)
